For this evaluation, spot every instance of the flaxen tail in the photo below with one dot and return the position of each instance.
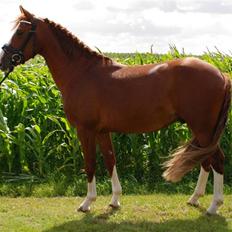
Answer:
(188, 156)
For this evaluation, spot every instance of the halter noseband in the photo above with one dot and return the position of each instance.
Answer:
(16, 54)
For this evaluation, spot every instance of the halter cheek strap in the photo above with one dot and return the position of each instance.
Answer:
(29, 36)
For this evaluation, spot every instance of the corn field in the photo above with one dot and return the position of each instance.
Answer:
(37, 140)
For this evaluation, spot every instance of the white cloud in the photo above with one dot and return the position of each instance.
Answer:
(133, 25)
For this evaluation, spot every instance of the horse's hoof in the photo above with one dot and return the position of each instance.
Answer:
(209, 214)
(114, 206)
(194, 204)
(83, 210)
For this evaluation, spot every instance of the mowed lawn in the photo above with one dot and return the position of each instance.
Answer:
(157, 212)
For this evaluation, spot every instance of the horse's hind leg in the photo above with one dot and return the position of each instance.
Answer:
(217, 164)
(106, 147)
(201, 183)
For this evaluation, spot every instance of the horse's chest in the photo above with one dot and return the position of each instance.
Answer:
(80, 111)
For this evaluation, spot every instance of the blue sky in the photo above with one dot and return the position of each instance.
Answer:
(134, 25)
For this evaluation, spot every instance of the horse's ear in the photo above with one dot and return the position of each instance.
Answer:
(26, 13)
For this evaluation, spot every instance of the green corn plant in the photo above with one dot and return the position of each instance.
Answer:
(71, 144)
(6, 139)
(39, 146)
(20, 142)
(36, 137)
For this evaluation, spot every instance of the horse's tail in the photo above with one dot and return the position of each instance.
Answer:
(188, 156)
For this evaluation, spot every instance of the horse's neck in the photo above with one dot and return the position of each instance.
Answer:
(59, 65)
(63, 68)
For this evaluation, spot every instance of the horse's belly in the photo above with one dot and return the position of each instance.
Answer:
(138, 123)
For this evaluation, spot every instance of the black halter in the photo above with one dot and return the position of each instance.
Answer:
(16, 54)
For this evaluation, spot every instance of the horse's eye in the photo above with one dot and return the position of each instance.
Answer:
(19, 32)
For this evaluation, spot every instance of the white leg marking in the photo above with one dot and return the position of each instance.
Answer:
(116, 189)
(217, 193)
(91, 196)
(200, 188)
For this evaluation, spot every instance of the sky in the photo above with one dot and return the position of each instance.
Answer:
(134, 25)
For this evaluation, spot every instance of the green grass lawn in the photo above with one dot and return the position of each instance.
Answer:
(157, 212)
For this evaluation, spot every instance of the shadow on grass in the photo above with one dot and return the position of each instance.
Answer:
(103, 223)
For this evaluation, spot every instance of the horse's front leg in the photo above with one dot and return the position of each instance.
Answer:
(106, 147)
(88, 143)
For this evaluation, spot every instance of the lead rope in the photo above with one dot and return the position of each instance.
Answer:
(4, 78)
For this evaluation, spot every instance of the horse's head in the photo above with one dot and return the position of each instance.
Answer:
(22, 44)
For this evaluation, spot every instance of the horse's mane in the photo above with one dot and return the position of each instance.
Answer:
(70, 43)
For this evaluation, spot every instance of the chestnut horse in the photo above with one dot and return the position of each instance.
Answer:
(101, 96)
